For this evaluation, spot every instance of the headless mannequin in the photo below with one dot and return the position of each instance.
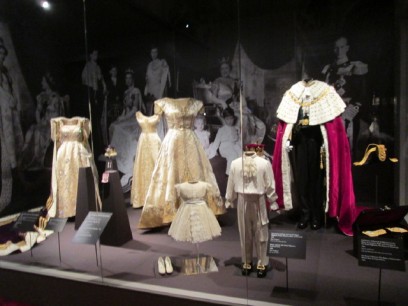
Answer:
(307, 141)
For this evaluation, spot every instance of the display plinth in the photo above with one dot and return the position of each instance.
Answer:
(86, 200)
(198, 265)
(118, 229)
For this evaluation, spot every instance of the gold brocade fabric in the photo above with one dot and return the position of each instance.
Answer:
(181, 158)
(147, 153)
(71, 152)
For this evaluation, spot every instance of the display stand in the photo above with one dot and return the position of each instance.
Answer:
(381, 253)
(198, 264)
(86, 200)
(288, 244)
(57, 225)
(379, 286)
(90, 232)
(118, 229)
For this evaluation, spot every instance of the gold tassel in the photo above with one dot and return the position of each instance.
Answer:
(322, 157)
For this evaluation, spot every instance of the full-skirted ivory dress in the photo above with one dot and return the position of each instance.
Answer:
(71, 152)
(181, 158)
(194, 221)
(146, 155)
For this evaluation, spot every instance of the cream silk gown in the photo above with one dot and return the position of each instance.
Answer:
(71, 152)
(181, 158)
(146, 155)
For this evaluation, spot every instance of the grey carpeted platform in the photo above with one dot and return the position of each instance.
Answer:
(330, 275)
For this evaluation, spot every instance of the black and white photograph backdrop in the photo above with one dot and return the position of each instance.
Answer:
(120, 56)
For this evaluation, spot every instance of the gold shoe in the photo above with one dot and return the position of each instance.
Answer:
(375, 233)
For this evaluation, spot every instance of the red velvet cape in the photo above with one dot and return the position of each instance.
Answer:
(341, 191)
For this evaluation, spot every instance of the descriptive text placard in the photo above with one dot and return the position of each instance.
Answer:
(26, 221)
(92, 227)
(384, 253)
(56, 224)
(285, 243)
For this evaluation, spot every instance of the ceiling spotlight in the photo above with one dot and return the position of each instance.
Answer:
(45, 5)
(187, 25)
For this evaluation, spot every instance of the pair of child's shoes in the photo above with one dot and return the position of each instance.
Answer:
(164, 266)
(246, 269)
(261, 270)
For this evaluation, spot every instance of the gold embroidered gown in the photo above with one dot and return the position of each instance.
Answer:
(181, 158)
(147, 153)
(71, 152)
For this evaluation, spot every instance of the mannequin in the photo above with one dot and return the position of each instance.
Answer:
(251, 181)
(312, 144)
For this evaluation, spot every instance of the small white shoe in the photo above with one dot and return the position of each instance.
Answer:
(161, 266)
(169, 266)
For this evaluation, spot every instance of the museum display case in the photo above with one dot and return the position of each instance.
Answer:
(209, 152)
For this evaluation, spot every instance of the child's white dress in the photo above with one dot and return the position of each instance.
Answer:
(194, 222)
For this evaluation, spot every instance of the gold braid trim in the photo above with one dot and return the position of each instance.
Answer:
(306, 104)
(382, 152)
(322, 158)
(371, 148)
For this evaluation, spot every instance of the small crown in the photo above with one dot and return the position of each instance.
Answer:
(257, 147)
(224, 60)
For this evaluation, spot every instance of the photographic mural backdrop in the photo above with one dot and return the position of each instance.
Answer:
(135, 51)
